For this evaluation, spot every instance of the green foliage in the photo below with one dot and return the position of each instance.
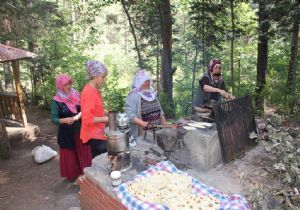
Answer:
(182, 95)
(167, 105)
(116, 88)
(58, 56)
(67, 33)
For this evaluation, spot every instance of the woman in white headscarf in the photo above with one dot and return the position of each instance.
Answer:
(142, 105)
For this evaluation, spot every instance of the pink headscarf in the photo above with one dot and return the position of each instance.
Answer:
(72, 98)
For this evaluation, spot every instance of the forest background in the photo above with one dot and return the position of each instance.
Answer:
(256, 40)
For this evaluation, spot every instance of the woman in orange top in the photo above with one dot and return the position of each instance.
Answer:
(93, 115)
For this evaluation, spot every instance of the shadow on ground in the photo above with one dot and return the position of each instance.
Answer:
(25, 184)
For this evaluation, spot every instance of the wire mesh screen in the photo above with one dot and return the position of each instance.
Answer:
(235, 121)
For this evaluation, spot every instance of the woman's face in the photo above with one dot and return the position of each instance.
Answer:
(145, 85)
(216, 74)
(100, 80)
(67, 87)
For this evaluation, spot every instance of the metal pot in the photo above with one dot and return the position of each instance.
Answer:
(118, 141)
(122, 120)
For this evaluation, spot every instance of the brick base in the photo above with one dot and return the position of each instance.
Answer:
(93, 197)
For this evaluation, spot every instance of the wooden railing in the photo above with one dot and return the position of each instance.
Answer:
(10, 107)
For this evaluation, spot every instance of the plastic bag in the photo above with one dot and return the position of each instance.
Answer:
(43, 153)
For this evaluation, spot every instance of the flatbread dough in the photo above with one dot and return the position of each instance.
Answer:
(196, 125)
(173, 190)
(199, 124)
(189, 128)
(206, 124)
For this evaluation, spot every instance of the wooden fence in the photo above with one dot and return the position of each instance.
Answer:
(10, 107)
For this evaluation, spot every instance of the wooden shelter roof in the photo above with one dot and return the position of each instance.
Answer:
(8, 53)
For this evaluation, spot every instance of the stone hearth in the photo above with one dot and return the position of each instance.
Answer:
(200, 150)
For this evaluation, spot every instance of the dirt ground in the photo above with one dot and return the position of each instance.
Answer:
(26, 185)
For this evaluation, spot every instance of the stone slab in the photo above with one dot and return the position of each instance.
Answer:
(204, 148)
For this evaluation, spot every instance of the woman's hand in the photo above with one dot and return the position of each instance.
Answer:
(231, 97)
(163, 119)
(144, 124)
(77, 117)
(105, 119)
(226, 95)
(68, 120)
(140, 122)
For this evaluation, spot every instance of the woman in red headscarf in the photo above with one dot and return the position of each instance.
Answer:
(65, 112)
(211, 86)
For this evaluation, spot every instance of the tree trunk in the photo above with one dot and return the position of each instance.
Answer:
(262, 55)
(194, 76)
(31, 48)
(46, 104)
(194, 66)
(125, 36)
(34, 77)
(73, 18)
(166, 35)
(239, 71)
(126, 10)
(26, 94)
(203, 41)
(157, 63)
(5, 148)
(291, 80)
(231, 46)
(185, 41)
(7, 23)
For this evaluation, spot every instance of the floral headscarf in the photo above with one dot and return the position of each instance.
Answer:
(212, 64)
(95, 68)
(72, 98)
(138, 80)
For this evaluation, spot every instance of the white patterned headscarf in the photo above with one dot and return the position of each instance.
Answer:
(138, 80)
(95, 68)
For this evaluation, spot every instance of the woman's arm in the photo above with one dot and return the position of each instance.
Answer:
(163, 119)
(54, 113)
(77, 117)
(55, 117)
(140, 122)
(131, 106)
(100, 119)
(210, 89)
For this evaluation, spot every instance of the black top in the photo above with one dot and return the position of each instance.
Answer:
(215, 95)
(65, 136)
(203, 99)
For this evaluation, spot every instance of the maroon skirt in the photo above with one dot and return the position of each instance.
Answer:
(72, 162)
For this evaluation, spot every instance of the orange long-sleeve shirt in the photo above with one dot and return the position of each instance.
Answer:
(91, 106)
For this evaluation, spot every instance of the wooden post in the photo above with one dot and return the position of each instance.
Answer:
(5, 149)
(3, 132)
(16, 72)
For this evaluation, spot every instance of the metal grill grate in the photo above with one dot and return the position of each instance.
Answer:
(235, 121)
